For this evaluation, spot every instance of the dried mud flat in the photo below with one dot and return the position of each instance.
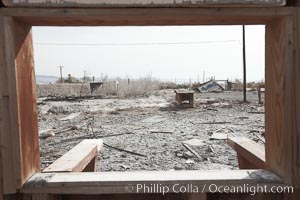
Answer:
(152, 126)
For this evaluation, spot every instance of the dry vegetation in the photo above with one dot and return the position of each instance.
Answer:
(123, 88)
(238, 85)
(132, 88)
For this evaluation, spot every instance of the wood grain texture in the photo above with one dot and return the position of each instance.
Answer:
(10, 149)
(115, 182)
(22, 154)
(249, 150)
(143, 3)
(296, 103)
(28, 119)
(279, 97)
(78, 158)
(145, 16)
(2, 85)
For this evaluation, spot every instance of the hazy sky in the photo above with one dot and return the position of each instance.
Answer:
(165, 52)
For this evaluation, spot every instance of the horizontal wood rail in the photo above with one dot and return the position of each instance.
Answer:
(250, 154)
(82, 157)
(144, 16)
(118, 182)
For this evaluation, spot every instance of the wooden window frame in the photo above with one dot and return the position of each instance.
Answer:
(20, 157)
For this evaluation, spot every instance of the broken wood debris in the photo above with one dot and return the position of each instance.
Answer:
(70, 116)
(218, 136)
(256, 112)
(123, 150)
(90, 137)
(214, 123)
(46, 133)
(211, 149)
(161, 131)
(192, 151)
(210, 86)
(261, 138)
(194, 142)
(52, 132)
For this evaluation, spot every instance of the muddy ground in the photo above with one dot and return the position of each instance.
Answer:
(154, 127)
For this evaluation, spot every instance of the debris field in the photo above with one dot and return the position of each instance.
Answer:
(150, 132)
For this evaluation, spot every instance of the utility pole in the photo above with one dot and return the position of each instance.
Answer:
(61, 78)
(244, 66)
(203, 76)
(84, 76)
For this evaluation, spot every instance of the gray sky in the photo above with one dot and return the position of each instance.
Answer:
(165, 52)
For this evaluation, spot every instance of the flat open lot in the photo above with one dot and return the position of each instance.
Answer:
(153, 126)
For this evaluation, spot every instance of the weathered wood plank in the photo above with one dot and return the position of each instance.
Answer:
(141, 3)
(115, 182)
(149, 196)
(296, 103)
(249, 150)
(45, 197)
(145, 16)
(28, 117)
(278, 97)
(21, 150)
(78, 158)
(10, 141)
(3, 100)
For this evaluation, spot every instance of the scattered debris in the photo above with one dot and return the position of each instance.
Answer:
(210, 86)
(211, 149)
(117, 134)
(222, 105)
(186, 154)
(256, 112)
(161, 131)
(123, 150)
(52, 132)
(125, 166)
(189, 162)
(142, 127)
(218, 136)
(194, 142)
(70, 116)
(46, 133)
(214, 123)
(192, 151)
(94, 136)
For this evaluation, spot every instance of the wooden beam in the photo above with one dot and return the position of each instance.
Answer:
(148, 196)
(82, 156)
(250, 154)
(115, 182)
(26, 94)
(279, 97)
(9, 135)
(144, 3)
(7, 183)
(45, 197)
(145, 16)
(295, 115)
(19, 136)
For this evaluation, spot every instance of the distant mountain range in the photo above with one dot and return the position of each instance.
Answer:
(46, 79)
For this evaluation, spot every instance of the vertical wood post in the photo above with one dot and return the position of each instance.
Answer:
(19, 130)
(282, 99)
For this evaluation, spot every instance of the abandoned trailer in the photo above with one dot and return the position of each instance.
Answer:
(272, 163)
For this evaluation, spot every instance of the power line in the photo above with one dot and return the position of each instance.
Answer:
(134, 44)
